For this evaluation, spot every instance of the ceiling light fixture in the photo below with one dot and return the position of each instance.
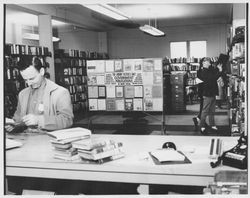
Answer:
(107, 10)
(32, 36)
(152, 30)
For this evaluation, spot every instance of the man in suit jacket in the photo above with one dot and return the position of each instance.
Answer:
(43, 104)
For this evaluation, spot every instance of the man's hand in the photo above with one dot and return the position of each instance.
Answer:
(30, 119)
(9, 127)
(220, 67)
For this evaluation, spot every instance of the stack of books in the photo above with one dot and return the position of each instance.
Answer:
(99, 150)
(63, 139)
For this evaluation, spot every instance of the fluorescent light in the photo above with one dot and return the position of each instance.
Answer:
(32, 36)
(107, 10)
(151, 30)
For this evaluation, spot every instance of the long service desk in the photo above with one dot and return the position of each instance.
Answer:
(35, 159)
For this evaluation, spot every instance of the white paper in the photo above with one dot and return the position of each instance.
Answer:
(100, 79)
(109, 65)
(110, 91)
(101, 104)
(164, 155)
(12, 143)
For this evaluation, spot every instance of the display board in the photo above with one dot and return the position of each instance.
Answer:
(125, 85)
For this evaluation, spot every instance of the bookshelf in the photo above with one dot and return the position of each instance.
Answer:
(70, 69)
(13, 81)
(237, 83)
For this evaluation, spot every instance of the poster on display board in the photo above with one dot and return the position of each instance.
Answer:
(125, 84)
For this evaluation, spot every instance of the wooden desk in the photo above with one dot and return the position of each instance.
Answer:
(35, 159)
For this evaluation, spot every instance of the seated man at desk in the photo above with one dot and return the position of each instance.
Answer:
(43, 104)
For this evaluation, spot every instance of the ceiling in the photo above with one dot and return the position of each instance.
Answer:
(165, 14)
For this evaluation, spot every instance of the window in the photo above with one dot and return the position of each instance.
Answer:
(188, 49)
(178, 49)
(198, 49)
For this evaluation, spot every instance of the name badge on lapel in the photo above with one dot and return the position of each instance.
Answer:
(40, 108)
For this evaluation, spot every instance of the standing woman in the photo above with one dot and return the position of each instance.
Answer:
(209, 76)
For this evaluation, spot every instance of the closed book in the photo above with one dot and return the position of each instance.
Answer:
(76, 132)
(66, 153)
(102, 148)
(67, 158)
(102, 155)
(61, 145)
(106, 159)
(91, 143)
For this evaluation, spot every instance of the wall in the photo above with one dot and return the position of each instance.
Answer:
(78, 39)
(134, 43)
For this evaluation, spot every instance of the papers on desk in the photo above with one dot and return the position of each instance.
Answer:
(12, 144)
(165, 155)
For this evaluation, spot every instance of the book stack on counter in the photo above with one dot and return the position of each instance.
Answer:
(63, 139)
(99, 150)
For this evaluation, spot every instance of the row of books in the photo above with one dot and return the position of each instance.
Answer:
(78, 97)
(11, 49)
(167, 60)
(80, 106)
(74, 71)
(128, 91)
(124, 65)
(74, 62)
(238, 50)
(77, 144)
(129, 104)
(238, 69)
(81, 54)
(77, 89)
(75, 80)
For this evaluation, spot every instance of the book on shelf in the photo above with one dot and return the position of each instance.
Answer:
(70, 133)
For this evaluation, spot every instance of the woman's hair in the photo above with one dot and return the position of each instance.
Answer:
(25, 62)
